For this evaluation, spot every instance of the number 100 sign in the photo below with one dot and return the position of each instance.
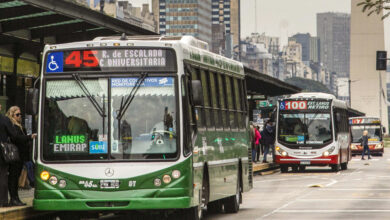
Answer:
(293, 105)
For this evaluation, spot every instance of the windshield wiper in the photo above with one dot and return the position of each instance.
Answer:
(92, 99)
(125, 105)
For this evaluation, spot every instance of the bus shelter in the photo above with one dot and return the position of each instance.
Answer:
(259, 88)
(27, 25)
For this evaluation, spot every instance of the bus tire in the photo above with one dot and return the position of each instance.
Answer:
(232, 203)
(302, 168)
(295, 169)
(283, 168)
(335, 167)
(215, 207)
(344, 166)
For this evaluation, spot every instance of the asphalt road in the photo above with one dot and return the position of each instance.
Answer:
(361, 192)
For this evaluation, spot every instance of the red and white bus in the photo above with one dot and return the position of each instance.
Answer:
(375, 132)
(312, 130)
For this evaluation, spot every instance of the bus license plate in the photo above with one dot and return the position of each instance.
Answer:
(305, 162)
(109, 184)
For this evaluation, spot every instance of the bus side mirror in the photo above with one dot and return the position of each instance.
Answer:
(197, 92)
(384, 129)
(32, 101)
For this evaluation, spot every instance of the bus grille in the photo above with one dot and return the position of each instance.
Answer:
(108, 204)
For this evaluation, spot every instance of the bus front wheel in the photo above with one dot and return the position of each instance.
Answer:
(344, 166)
(283, 168)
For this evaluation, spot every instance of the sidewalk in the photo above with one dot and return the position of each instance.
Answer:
(264, 168)
(21, 212)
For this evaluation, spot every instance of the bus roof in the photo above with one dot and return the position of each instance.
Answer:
(188, 48)
(318, 95)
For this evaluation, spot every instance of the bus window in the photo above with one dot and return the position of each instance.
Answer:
(230, 98)
(221, 83)
(214, 99)
(206, 98)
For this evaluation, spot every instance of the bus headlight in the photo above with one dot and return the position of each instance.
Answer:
(53, 180)
(176, 174)
(157, 182)
(378, 146)
(45, 175)
(281, 152)
(354, 147)
(167, 179)
(329, 151)
(62, 183)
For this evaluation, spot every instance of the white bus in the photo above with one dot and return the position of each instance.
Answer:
(140, 123)
(312, 130)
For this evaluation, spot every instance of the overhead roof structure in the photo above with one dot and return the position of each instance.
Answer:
(259, 83)
(354, 113)
(32, 23)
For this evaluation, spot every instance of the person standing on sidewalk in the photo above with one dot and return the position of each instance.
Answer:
(23, 142)
(364, 142)
(257, 142)
(268, 139)
(6, 131)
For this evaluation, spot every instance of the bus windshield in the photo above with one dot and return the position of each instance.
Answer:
(74, 129)
(305, 128)
(374, 132)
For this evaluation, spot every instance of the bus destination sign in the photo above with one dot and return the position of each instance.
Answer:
(123, 59)
(357, 121)
(304, 105)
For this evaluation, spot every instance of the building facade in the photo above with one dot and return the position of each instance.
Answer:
(225, 13)
(184, 17)
(367, 84)
(333, 31)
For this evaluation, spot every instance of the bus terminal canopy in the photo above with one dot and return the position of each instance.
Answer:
(354, 113)
(259, 83)
(32, 23)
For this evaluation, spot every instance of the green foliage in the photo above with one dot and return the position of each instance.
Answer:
(308, 85)
(376, 6)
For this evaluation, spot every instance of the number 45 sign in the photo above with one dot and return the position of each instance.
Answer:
(293, 105)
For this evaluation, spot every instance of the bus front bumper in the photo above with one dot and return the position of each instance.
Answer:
(332, 159)
(111, 204)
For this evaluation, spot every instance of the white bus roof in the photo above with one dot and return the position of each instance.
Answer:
(188, 48)
(318, 95)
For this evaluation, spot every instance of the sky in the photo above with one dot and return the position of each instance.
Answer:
(283, 18)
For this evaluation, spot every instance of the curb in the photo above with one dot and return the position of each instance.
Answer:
(265, 168)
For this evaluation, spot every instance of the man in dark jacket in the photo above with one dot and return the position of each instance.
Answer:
(268, 139)
(6, 131)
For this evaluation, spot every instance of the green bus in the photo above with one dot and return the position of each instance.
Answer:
(140, 123)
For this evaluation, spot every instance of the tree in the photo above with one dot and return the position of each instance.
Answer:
(376, 6)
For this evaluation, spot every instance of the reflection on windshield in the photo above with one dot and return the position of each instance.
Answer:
(73, 128)
(147, 129)
(374, 132)
(305, 128)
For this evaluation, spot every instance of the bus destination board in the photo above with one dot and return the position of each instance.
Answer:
(121, 59)
(304, 105)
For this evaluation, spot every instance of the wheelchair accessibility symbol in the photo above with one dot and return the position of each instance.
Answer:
(53, 66)
(54, 62)
(282, 106)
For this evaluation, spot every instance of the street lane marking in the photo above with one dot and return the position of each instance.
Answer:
(355, 189)
(326, 200)
(331, 183)
(333, 211)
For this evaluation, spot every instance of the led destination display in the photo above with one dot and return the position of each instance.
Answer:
(121, 59)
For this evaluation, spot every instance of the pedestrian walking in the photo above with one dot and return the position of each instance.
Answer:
(6, 131)
(364, 142)
(23, 142)
(268, 139)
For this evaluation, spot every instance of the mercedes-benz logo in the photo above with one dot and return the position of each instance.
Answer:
(109, 172)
